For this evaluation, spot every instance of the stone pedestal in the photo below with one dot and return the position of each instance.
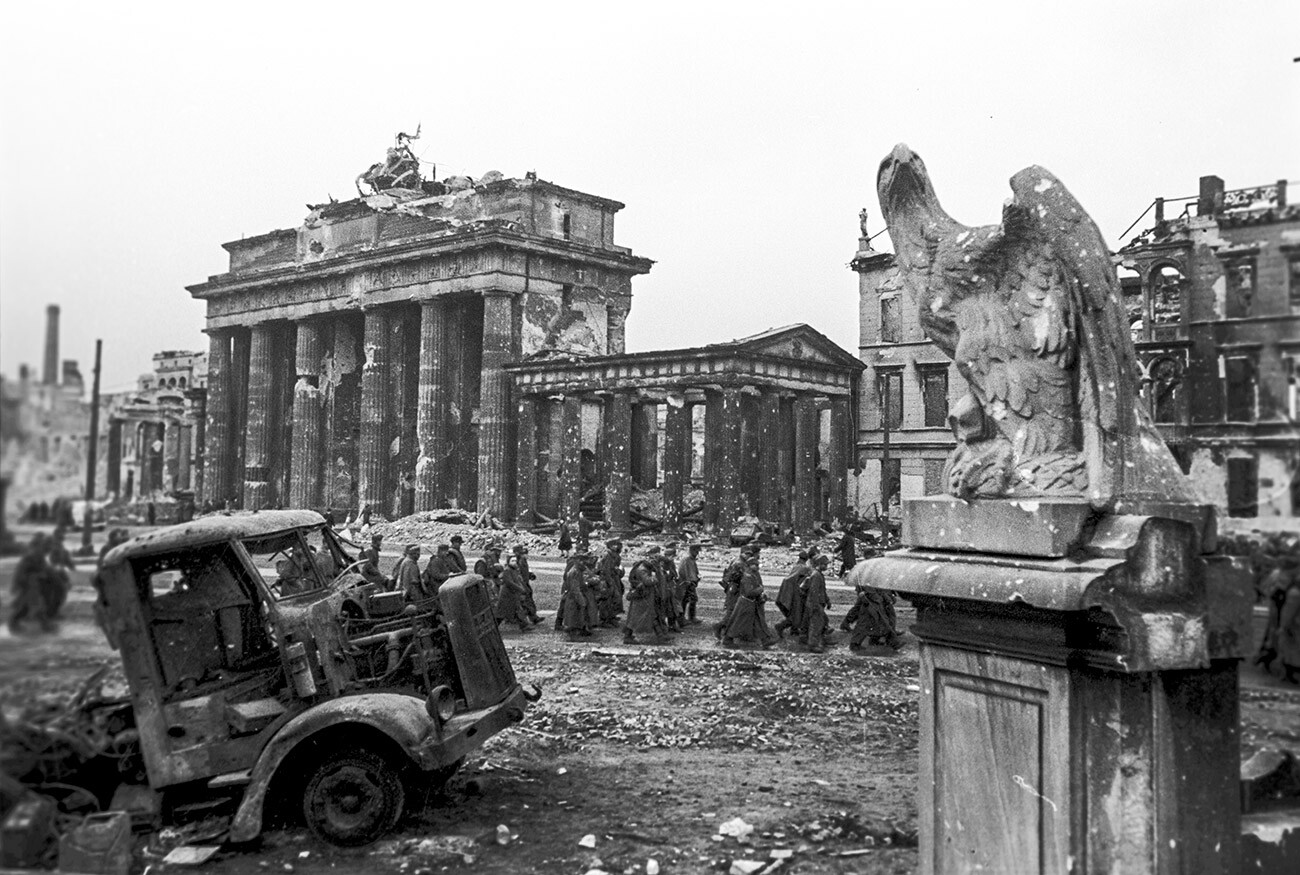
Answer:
(1078, 706)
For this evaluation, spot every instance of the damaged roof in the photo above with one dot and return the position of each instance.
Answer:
(212, 530)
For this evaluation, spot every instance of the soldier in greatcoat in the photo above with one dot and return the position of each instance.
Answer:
(642, 593)
(790, 598)
(815, 604)
(688, 582)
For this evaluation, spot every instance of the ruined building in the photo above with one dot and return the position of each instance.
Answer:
(45, 426)
(155, 432)
(1214, 303)
(460, 342)
(1214, 298)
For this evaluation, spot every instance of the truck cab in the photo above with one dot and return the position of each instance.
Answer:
(260, 663)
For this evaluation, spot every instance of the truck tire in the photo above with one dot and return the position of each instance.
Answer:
(353, 798)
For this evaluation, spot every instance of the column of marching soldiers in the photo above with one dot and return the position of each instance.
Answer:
(659, 589)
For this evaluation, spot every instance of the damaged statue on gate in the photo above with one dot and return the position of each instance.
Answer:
(1067, 583)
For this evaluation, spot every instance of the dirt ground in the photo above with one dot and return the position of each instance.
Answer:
(650, 750)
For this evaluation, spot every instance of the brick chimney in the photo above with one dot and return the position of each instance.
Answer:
(1211, 198)
(50, 375)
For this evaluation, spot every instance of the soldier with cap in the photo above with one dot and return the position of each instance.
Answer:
(406, 575)
(872, 619)
(642, 597)
(439, 569)
(688, 581)
(747, 619)
(815, 604)
(610, 569)
(456, 556)
(671, 608)
(510, 596)
(790, 598)
(488, 564)
(526, 577)
(575, 598)
(730, 584)
(369, 562)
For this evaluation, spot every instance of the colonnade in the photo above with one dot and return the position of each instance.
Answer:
(760, 454)
(402, 407)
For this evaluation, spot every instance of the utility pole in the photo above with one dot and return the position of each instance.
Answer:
(91, 454)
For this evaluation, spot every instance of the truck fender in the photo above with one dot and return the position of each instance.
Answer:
(401, 718)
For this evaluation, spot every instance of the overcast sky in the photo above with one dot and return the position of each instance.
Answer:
(744, 138)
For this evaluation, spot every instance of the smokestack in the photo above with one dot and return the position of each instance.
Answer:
(50, 376)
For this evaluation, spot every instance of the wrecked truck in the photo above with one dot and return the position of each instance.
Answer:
(263, 667)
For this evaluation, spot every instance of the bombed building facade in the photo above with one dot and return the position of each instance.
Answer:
(155, 431)
(1213, 297)
(460, 342)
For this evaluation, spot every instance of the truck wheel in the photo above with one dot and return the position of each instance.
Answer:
(353, 798)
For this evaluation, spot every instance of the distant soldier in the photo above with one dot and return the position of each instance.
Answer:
(439, 568)
(574, 616)
(31, 578)
(487, 564)
(642, 591)
(815, 604)
(747, 621)
(566, 540)
(688, 581)
(872, 619)
(456, 556)
(670, 610)
(790, 598)
(526, 577)
(610, 569)
(1280, 651)
(368, 562)
(730, 584)
(510, 595)
(406, 575)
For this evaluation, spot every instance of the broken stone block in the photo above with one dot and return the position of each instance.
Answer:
(1269, 778)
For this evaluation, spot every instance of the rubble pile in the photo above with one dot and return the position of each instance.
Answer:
(727, 700)
(430, 528)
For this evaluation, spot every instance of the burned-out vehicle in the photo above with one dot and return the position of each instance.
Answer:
(261, 665)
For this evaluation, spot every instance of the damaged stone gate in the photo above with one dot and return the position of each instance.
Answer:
(361, 359)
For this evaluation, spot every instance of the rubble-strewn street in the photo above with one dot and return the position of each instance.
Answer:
(633, 755)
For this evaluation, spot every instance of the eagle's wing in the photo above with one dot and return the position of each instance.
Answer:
(1125, 455)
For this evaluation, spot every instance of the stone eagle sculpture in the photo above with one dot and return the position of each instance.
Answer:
(1029, 310)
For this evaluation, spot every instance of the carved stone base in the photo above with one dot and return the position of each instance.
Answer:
(1078, 712)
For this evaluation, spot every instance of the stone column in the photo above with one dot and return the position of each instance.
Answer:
(495, 461)
(171, 447)
(677, 462)
(375, 407)
(571, 459)
(399, 438)
(618, 438)
(837, 461)
(769, 450)
(152, 478)
(805, 462)
(712, 447)
(185, 434)
(307, 456)
(199, 405)
(241, 348)
(113, 482)
(257, 436)
(526, 463)
(645, 444)
(432, 423)
(217, 458)
(729, 463)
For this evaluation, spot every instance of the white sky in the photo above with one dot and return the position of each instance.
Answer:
(743, 138)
